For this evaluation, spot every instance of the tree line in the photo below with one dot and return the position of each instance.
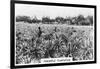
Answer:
(77, 20)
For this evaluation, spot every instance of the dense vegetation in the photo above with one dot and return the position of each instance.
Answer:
(78, 20)
(36, 41)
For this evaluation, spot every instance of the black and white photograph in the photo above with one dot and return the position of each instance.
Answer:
(48, 34)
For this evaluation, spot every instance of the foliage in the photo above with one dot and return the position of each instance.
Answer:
(78, 20)
(54, 42)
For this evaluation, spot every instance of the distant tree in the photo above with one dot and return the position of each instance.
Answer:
(87, 21)
(23, 18)
(90, 19)
(59, 19)
(74, 20)
(46, 20)
(79, 19)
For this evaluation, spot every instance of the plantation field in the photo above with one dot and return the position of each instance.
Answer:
(55, 41)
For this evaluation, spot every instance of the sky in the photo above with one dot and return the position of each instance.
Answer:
(52, 11)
